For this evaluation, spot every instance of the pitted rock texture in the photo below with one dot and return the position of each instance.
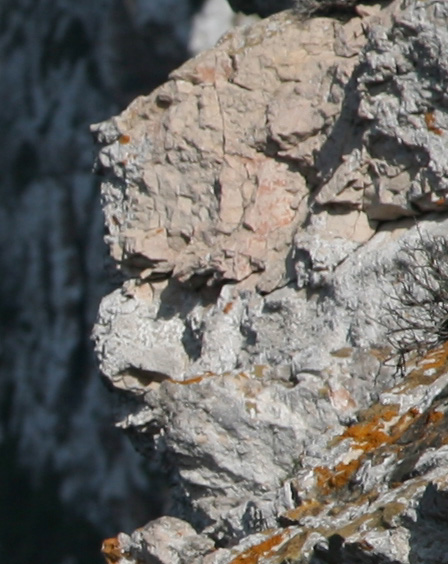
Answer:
(181, 543)
(215, 203)
(259, 204)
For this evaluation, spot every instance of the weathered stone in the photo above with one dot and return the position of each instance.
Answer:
(258, 362)
(166, 540)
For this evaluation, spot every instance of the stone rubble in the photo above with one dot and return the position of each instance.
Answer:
(257, 204)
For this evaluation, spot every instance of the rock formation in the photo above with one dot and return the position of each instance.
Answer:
(267, 206)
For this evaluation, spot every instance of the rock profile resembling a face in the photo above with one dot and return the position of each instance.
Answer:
(265, 207)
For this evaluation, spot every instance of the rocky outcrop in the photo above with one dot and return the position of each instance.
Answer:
(263, 206)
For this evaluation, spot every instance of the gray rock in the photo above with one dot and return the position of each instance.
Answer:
(260, 204)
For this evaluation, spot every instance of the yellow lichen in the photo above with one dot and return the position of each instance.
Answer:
(251, 407)
(259, 370)
(262, 550)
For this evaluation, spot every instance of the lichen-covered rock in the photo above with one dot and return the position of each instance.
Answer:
(166, 540)
(261, 204)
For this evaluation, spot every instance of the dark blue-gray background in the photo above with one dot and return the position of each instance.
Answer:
(67, 477)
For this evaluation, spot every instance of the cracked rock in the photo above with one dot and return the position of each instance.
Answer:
(259, 204)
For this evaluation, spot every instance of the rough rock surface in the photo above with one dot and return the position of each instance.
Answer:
(259, 204)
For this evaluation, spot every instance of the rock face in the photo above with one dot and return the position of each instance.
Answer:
(264, 206)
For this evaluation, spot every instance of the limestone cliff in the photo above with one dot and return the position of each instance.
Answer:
(271, 207)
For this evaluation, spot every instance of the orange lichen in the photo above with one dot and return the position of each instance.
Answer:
(436, 358)
(372, 433)
(367, 435)
(414, 411)
(111, 550)
(262, 550)
(435, 416)
(228, 307)
(430, 121)
(194, 380)
(365, 545)
(124, 139)
(380, 425)
(405, 421)
(328, 480)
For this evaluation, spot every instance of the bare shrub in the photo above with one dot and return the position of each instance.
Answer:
(417, 314)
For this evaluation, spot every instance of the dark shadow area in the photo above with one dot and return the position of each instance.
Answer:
(337, 551)
(429, 533)
(180, 299)
(345, 135)
(341, 9)
(35, 524)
